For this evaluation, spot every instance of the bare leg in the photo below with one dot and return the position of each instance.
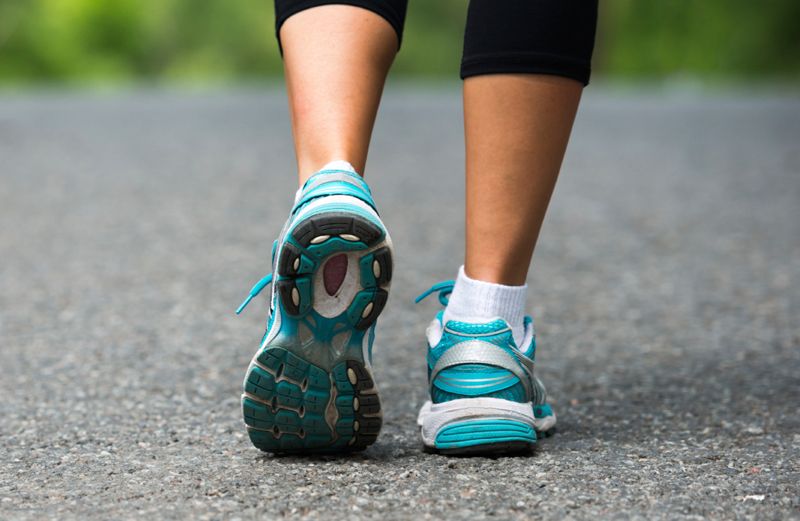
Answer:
(336, 58)
(517, 127)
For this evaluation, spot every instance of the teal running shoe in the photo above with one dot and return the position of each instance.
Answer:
(485, 398)
(309, 387)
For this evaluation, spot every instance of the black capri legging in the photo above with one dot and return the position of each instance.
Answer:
(502, 36)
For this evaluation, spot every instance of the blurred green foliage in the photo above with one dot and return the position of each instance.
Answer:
(711, 38)
(89, 41)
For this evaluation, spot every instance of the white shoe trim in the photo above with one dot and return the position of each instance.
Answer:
(434, 416)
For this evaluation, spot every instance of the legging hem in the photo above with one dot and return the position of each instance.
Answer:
(526, 63)
(395, 19)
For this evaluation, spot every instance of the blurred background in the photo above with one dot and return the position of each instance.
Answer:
(119, 42)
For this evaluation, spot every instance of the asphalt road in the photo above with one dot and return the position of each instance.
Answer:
(666, 290)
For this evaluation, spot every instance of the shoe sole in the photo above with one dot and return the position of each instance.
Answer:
(310, 389)
(483, 426)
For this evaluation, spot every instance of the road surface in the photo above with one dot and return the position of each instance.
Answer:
(665, 288)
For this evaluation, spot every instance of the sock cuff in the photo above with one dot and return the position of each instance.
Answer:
(477, 299)
(339, 164)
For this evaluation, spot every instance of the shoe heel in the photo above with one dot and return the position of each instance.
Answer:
(319, 239)
(309, 389)
(485, 436)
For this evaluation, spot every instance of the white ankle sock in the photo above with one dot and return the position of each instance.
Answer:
(478, 301)
(339, 164)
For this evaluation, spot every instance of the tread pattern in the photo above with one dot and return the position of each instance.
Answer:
(298, 262)
(384, 259)
(290, 405)
(337, 223)
(378, 297)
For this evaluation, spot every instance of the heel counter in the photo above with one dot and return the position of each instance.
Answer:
(476, 380)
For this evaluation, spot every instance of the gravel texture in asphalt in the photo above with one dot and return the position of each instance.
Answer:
(664, 288)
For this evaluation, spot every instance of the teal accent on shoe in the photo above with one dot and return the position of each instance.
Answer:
(256, 289)
(285, 414)
(512, 394)
(367, 272)
(360, 301)
(334, 188)
(370, 342)
(529, 350)
(334, 245)
(495, 328)
(483, 432)
(472, 380)
(336, 207)
(444, 289)
(353, 177)
(542, 411)
(303, 285)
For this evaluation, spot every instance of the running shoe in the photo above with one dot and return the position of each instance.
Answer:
(485, 398)
(309, 387)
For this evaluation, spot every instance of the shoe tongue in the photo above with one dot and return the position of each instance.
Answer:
(472, 329)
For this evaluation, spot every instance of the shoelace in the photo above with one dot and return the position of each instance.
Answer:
(254, 291)
(444, 290)
(261, 284)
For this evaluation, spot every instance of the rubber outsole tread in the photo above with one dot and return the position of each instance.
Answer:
(293, 262)
(292, 412)
(337, 223)
(297, 264)
(379, 299)
(384, 259)
(315, 394)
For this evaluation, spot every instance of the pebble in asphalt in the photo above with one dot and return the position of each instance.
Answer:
(665, 290)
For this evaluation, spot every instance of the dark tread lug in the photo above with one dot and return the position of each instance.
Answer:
(369, 426)
(284, 288)
(304, 232)
(369, 404)
(363, 378)
(378, 302)
(368, 232)
(384, 258)
(286, 264)
(337, 223)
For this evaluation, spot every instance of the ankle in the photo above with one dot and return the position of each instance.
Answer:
(508, 274)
